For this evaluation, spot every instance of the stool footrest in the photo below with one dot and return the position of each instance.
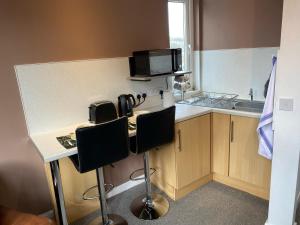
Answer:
(85, 195)
(134, 178)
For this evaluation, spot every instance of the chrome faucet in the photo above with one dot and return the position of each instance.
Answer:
(251, 94)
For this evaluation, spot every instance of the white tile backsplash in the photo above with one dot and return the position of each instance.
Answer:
(56, 95)
(236, 70)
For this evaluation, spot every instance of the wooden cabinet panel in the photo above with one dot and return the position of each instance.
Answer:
(220, 143)
(119, 173)
(192, 150)
(163, 160)
(245, 162)
(184, 165)
(74, 185)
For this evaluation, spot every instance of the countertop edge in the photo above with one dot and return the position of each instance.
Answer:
(185, 118)
(237, 113)
(185, 112)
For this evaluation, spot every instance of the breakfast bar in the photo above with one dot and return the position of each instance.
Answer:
(52, 151)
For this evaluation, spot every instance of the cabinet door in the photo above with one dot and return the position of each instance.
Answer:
(220, 143)
(163, 160)
(245, 162)
(192, 150)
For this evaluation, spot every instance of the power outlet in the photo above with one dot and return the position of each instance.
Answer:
(286, 104)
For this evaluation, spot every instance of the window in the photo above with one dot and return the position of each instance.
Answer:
(180, 30)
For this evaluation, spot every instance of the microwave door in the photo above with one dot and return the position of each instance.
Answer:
(161, 64)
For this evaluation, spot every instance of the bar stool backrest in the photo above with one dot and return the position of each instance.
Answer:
(102, 144)
(155, 129)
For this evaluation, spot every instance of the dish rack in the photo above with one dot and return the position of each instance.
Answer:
(213, 99)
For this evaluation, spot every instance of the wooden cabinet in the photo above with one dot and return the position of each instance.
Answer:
(75, 184)
(192, 150)
(245, 162)
(184, 165)
(163, 159)
(236, 161)
(220, 143)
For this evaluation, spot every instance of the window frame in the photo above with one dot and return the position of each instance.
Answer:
(189, 37)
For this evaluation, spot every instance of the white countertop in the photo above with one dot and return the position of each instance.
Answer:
(50, 149)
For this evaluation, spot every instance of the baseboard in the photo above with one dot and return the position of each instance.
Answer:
(115, 191)
(176, 194)
(124, 187)
(182, 192)
(241, 185)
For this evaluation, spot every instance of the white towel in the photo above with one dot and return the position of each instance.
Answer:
(265, 130)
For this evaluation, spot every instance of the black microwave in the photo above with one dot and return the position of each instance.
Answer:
(155, 62)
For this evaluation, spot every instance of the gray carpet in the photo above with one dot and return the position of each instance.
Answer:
(212, 204)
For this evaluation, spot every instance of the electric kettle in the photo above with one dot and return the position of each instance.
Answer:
(126, 103)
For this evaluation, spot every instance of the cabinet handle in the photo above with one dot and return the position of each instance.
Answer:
(179, 140)
(232, 131)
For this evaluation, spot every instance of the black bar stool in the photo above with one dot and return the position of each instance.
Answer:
(98, 146)
(152, 130)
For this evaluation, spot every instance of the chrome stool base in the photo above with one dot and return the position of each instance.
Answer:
(160, 207)
(113, 220)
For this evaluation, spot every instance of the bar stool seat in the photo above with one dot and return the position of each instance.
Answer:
(152, 130)
(98, 146)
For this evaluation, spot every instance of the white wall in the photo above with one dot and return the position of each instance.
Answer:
(285, 165)
(236, 70)
(56, 95)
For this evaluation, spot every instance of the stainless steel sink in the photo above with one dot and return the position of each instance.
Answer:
(224, 101)
(249, 106)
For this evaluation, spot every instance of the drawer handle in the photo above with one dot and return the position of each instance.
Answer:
(179, 140)
(232, 131)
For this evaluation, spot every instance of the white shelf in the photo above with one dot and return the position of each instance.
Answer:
(149, 78)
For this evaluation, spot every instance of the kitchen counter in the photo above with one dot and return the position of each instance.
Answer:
(50, 149)
(185, 112)
(236, 112)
